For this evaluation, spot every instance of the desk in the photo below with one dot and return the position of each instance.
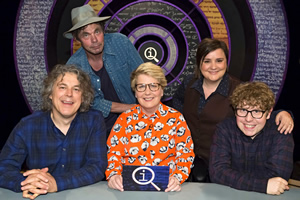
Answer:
(190, 191)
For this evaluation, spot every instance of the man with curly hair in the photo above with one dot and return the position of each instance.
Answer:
(63, 146)
(247, 152)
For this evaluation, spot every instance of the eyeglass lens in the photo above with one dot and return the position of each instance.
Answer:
(152, 86)
(257, 114)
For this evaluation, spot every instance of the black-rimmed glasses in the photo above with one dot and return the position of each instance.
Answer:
(256, 114)
(142, 87)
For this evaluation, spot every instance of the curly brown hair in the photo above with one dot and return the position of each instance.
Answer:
(83, 78)
(253, 94)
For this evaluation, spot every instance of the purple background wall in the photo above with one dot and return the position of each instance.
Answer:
(13, 106)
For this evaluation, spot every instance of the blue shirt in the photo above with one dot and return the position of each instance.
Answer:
(120, 58)
(76, 159)
(243, 163)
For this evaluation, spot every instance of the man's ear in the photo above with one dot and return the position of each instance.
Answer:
(269, 113)
(74, 36)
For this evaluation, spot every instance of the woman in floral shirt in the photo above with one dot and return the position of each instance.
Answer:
(150, 133)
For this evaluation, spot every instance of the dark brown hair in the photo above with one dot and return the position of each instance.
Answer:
(206, 46)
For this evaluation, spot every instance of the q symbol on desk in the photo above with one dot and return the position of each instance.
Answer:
(150, 53)
(142, 180)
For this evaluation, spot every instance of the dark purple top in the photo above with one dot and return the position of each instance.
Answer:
(242, 163)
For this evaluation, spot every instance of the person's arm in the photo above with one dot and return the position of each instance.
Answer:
(133, 60)
(184, 151)
(12, 157)
(106, 106)
(178, 98)
(133, 57)
(120, 107)
(284, 121)
(79, 59)
(37, 182)
(279, 163)
(93, 169)
(115, 144)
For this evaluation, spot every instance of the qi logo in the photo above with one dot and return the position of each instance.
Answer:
(150, 53)
(144, 176)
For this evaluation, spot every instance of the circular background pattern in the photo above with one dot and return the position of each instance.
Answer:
(171, 30)
(168, 26)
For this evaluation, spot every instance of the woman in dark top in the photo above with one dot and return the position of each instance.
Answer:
(203, 98)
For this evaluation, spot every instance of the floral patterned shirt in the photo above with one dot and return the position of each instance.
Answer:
(162, 139)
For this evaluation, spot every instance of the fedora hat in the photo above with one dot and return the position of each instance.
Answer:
(82, 16)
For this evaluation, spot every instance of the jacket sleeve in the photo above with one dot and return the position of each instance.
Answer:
(178, 97)
(102, 104)
(133, 59)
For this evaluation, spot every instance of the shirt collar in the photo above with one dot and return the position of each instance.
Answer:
(222, 89)
(249, 138)
(160, 112)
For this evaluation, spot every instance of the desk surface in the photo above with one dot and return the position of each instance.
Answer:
(190, 191)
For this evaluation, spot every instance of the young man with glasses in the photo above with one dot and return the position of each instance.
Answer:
(248, 152)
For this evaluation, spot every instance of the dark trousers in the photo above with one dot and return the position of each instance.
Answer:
(199, 172)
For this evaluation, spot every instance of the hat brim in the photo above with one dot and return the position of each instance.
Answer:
(68, 34)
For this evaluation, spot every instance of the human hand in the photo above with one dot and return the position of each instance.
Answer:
(33, 186)
(28, 195)
(277, 185)
(39, 181)
(116, 182)
(285, 122)
(174, 185)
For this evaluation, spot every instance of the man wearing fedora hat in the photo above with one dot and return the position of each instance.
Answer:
(109, 60)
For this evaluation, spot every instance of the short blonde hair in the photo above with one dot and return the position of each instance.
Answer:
(149, 69)
(253, 94)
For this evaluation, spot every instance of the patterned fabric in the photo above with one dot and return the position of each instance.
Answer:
(120, 58)
(242, 163)
(76, 159)
(161, 139)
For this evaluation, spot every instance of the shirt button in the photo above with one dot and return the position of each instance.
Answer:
(64, 149)
(98, 80)
(62, 166)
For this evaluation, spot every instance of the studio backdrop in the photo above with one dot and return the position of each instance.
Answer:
(165, 32)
